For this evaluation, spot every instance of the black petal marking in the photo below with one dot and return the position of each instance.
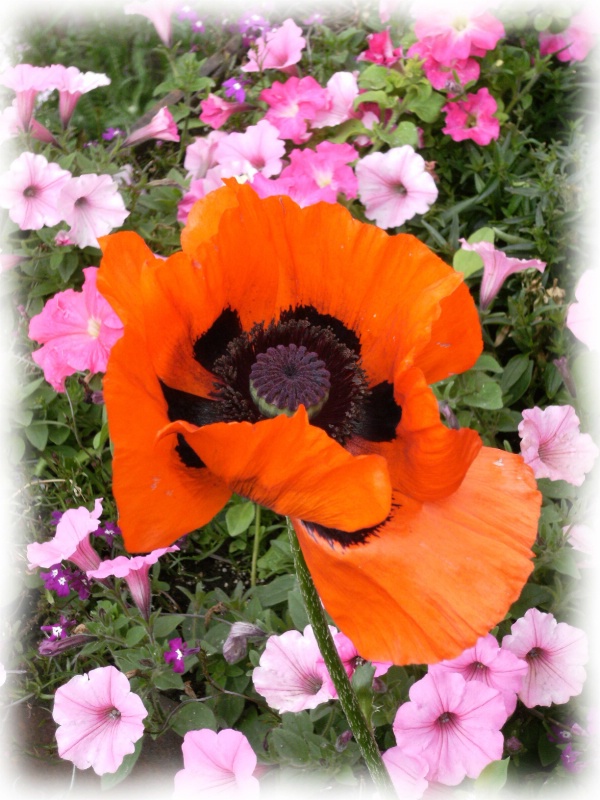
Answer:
(345, 538)
(188, 456)
(379, 414)
(190, 408)
(213, 343)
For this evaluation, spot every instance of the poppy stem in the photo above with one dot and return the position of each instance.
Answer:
(361, 730)
(256, 544)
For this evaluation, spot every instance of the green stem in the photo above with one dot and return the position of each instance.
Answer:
(361, 730)
(256, 544)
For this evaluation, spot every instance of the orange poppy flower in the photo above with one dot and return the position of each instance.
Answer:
(285, 354)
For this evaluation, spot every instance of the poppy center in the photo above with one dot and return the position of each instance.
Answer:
(286, 376)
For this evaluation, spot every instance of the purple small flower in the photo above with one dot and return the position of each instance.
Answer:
(111, 133)
(55, 517)
(58, 631)
(108, 532)
(570, 759)
(234, 87)
(176, 653)
(58, 579)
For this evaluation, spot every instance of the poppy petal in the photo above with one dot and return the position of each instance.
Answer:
(159, 499)
(406, 594)
(427, 460)
(387, 289)
(293, 468)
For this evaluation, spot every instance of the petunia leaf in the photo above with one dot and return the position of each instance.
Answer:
(492, 778)
(239, 517)
(467, 262)
(193, 716)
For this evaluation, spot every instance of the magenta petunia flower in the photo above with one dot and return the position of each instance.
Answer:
(71, 85)
(453, 724)
(394, 186)
(572, 44)
(553, 445)
(257, 149)
(162, 126)
(472, 118)
(217, 765)
(488, 663)
(582, 316)
(77, 331)
(92, 206)
(555, 653)
(444, 76)
(406, 772)
(216, 111)
(159, 12)
(294, 105)
(99, 719)
(290, 675)
(277, 49)
(71, 541)
(380, 49)
(136, 573)
(30, 190)
(175, 655)
(350, 658)
(497, 266)
(455, 36)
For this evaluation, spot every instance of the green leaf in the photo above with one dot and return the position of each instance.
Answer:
(487, 363)
(403, 133)
(135, 635)
(239, 518)
(378, 96)
(467, 262)
(111, 779)
(516, 378)
(193, 716)
(167, 681)
(547, 750)
(37, 433)
(488, 395)
(532, 595)
(564, 562)
(424, 102)
(492, 778)
(482, 235)
(166, 624)
(297, 610)
(275, 592)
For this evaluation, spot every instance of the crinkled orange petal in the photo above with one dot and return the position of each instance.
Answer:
(293, 468)
(427, 460)
(389, 290)
(159, 499)
(124, 256)
(407, 594)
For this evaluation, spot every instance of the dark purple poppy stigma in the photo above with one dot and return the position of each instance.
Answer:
(287, 376)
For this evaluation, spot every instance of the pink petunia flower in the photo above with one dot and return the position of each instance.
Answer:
(159, 12)
(454, 36)
(453, 724)
(350, 659)
(71, 541)
(290, 675)
(380, 49)
(136, 573)
(488, 663)
(408, 773)
(71, 85)
(77, 331)
(394, 186)
(342, 90)
(99, 720)
(472, 118)
(162, 126)
(555, 653)
(277, 49)
(293, 105)
(217, 765)
(322, 173)
(26, 81)
(582, 316)
(257, 149)
(572, 44)
(30, 190)
(216, 111)
(92, 207)
(444, 76)
(553, 445)
(583, 539)
(200, 154)
(497, 266)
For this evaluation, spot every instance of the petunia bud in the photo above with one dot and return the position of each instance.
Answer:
(236, 644)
